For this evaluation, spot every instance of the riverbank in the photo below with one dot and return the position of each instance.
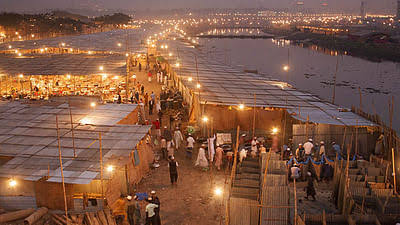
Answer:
(376, 52)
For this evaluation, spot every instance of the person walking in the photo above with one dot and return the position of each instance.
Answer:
(142, 89)
(308, 147)
(201, 157)
(300, 153)
(189, 148)
(146, 99)
(170, 148)
(218, 157)
(133, 211)
(156, 201)
(150, 212)
(254, 148)
(149, 76)
(173, 170)
(119, 210)
(157, 126)
(140, 67)
(151, 105)
(310, 190)
(321, 150)
(178, 138)
(163, 147)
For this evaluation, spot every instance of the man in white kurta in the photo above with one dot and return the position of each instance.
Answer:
(178, 138)
(201, 157)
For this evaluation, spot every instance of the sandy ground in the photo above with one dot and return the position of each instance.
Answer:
(323, 199)
(192, 200)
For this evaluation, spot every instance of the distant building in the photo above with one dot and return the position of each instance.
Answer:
(398, 9)
(363, 12)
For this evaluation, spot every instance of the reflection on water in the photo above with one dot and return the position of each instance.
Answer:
(312, 69)
(233, 31)
(327, 51)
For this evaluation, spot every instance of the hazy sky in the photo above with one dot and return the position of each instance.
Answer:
(29, 5)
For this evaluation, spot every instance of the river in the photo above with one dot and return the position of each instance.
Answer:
(312, 69)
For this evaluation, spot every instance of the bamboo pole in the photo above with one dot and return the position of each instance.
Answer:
(334, 81)
(344, 137)
(394, 172)
(233, 171)
(364, 193)
(61, 168)
(359, 91)
(386, 175)
(254, 117)
(356, 147)
(295, 201)
(72, 127)
(264, 181)
(101, 167)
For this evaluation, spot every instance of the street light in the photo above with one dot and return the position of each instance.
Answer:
(190, 79)
(110, 168)
(205, 119)
(119, 44)
(170, 54)
(177, 64)
(241, 106)
(274, 130)
(286, 68)
(12, 183)
(198, 86)
(21, 75)
(93, 104)
(218, 191)
(101, 68)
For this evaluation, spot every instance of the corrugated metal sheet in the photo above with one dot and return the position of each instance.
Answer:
(29, 135)
(275, 196)
(243, 211)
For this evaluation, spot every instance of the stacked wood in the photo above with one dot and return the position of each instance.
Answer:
(35, 216)
(102, 217)
(11, 216)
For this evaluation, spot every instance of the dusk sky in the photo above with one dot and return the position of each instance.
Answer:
(30, 5)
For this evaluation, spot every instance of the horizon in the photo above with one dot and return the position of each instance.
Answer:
(345, 6)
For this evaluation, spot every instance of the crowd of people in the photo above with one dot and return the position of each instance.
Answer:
(129, 208)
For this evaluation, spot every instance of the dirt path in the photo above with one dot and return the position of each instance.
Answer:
(192, 200)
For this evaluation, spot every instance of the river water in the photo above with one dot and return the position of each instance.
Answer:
(312, 69)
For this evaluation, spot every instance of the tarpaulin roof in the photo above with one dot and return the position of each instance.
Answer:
(61, 64)
(28, 134)
(225, 85)
(103, 41)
